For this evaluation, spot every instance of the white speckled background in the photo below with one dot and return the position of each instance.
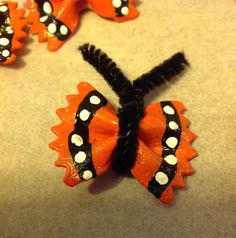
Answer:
(34, 201)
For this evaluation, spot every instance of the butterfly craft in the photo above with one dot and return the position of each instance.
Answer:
(151, 143)
(56, 20)
(12, 27)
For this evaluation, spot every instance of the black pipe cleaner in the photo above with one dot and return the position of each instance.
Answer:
(131, 98)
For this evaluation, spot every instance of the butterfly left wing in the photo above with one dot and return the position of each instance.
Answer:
(164, 149)
(11, 31)
(118, 10)
(53, 20)
(87, 135)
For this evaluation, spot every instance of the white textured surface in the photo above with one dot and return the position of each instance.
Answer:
(34, 201)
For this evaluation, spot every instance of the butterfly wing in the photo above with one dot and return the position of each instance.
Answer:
(53, 20)
(87, 135)
(118, 10)
(165, 149)
(11, 31)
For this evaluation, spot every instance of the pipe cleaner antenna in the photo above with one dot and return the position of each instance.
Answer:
(119, 82)
(107, 68)
(161, 73)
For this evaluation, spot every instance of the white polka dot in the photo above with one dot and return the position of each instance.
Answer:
(95, 100)
(80, 157)
(43, 19)
(171, 159)
(87, 175)
(125, 11)
(173, 125)
(8, 21)
(10, 31)
(3, 8)
(4, 41)
(52, 28)
(63, 30)
(161, 178)
(169, 110)
(47, 8)
(116, 3)
(8, 28)
(84, 115)
(77, 140)
(172, 142)
(5, 53)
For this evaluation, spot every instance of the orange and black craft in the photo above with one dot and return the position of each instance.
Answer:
(56, 20)
(152, 143)
(11, 31)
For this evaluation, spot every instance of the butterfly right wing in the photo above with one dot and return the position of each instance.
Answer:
(165, 149)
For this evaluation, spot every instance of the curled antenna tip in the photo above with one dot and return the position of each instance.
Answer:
(180, 57)
(84, 46)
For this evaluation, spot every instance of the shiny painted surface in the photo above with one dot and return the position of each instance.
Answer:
(103, 135)
(47, 21)
(12, 31)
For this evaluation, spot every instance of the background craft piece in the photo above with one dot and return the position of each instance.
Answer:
(11, 31)
(54, 20)
(152, 143)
